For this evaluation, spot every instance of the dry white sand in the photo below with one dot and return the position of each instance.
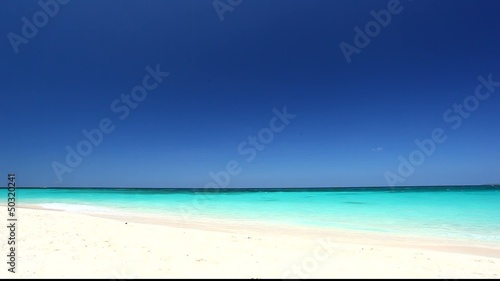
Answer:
(61, 244)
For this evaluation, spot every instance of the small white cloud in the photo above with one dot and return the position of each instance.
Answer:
(377, 149)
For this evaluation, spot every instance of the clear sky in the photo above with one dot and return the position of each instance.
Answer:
(352, 120)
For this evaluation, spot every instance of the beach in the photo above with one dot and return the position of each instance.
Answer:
(57, 244)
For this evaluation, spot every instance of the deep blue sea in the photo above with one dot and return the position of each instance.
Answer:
(462, 212)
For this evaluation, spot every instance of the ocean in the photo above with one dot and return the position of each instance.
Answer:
(452, 212)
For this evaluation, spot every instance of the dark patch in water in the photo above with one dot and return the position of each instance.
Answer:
(350, 202)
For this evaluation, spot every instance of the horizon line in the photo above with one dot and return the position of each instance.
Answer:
(287, 187)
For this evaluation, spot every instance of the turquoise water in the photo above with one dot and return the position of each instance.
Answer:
(452, 212)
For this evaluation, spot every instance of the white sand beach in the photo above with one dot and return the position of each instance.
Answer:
(61, 244)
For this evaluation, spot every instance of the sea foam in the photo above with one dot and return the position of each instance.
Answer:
(75, 208)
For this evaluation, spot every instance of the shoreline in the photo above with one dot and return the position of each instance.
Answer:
(56, 243)
(346, 235)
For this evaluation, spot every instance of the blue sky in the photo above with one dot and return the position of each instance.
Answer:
(225, 78)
